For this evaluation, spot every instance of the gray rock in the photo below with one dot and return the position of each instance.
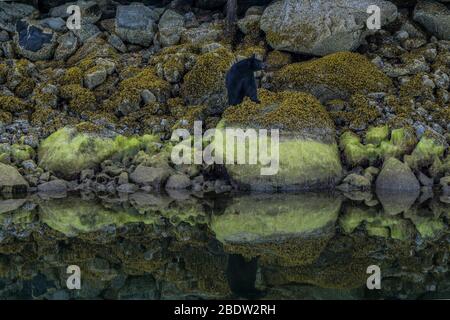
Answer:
(54, 186)
(171, 25)
(147, 96)
(56, 24)
(250, 23)
(425, 180)
(67, 45)
(204, 34)
(135, 23)
(396, 176)
(34, 42)
(95, 77)
(320, 27)
(178, 181)
(11, 181)
(88, 31)
(117, 43)
(11, 13)
(127, 188)
(154, 177)
(435, 17)
(90, 11)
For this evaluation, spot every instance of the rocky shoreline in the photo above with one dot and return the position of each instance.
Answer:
(92, 110)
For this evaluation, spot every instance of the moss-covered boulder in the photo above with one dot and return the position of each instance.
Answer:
(129, 95)
(205, 83)
(282, 229)
(70, 150)
(307, 153)
(336, 76)
(379, 144)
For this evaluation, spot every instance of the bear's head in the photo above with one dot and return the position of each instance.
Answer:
(255, 64)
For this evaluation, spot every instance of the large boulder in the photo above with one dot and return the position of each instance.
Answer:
(90, 11)
(336, 76)
(69, 150)
(308, 154)
(205, 83)
(11, 181)
(435, 17)
(11, 13)
(135, 24)
(171, 26)
(34, 42)
(320, 27)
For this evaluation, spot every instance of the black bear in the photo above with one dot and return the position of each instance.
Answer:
(241, 81)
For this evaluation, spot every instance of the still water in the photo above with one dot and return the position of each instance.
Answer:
(257, 246)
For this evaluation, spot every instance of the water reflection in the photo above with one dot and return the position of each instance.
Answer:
(290, 246)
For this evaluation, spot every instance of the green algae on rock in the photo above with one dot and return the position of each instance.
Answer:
(336, 76)
(378, 145)
(308, 154)
(68, 151)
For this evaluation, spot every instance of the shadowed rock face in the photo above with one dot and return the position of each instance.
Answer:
(32, 38)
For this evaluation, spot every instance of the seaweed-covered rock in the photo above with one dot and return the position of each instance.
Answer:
(308, 154)
(135, 23)
(378, 145)
(69, 150)
(320, 27)
(129, 96)
(205, 83)
(336, 76)
(11, 181)
(435, 17)
(34, 42)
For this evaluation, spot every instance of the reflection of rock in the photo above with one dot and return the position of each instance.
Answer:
(10, 205)
(290, 229)
(376, 223)
(396, 202)
(71, 216)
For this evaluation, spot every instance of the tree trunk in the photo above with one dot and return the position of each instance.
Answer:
(231, 22)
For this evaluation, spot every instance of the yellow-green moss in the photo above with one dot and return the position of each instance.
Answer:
(12, 104)
(277, 59)
(80, 99)
(378, 145)
(284, 110)
(345, 71)
(72, 75)
(5, 117)
(130, 89)
(427, 151)
(208, 74)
